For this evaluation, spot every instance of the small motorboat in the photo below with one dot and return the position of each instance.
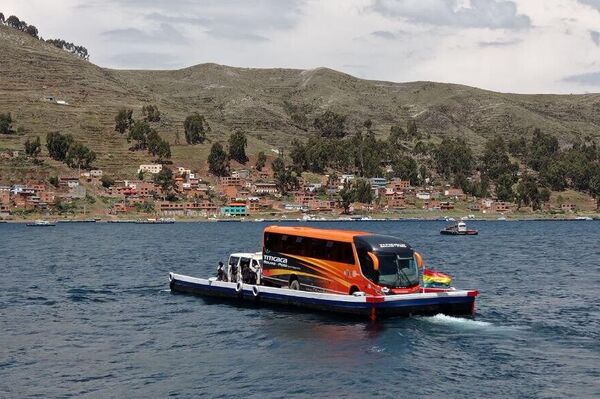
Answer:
(41, 223)
(155, 221)
(458, 229)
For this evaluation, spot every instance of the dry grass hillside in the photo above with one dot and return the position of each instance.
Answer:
(251, 100)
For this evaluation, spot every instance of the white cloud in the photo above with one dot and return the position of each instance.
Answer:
(523, 46)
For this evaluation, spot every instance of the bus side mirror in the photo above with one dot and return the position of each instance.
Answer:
(419, 260)
(375, 261)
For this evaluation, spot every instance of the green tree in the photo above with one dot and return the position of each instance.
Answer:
(542, 149)
(261, 161)
(107, 181)
(364, 193)
(405, 168)
(151, 113)
(164, 179)
(53, 180)
(140, 133)
(6, 123)
(595, 186)
(79, 156)
(1, 18)
(33, 147)
(495, 161)
(330, 124)
(237, 147)
(299, 156)
(32, 30)
(123, 120)
(159, 147)
(396, 137)
(529, 192)
(218, 161)
(13, 22)
(285, 179)
(196, 128)
(504, 188)
(453, 156)
(58, 145)
(347, 196)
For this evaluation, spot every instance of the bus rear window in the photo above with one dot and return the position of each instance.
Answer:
(310, 247)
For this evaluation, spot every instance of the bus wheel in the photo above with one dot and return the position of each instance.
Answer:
(295, 285)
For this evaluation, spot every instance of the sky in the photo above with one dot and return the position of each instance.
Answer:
(520, 46)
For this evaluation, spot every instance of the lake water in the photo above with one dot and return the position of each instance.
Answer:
(85, 311)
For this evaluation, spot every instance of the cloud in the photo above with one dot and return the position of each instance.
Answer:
(588, 79)
(592, 3)
(595, 35)
(164, 33)
(493, 14)
(500, 43)
(384, 34)
(146, 60)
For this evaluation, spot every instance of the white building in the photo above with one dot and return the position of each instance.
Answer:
(150, 168)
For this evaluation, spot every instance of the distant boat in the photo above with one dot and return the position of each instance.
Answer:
(41, 223)
(458, 229)
(584, 218)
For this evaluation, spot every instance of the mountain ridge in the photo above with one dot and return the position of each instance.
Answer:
(257, 101)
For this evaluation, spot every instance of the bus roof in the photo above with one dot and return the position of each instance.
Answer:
(325, 234)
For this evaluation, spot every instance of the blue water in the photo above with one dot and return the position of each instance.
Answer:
(85, 311)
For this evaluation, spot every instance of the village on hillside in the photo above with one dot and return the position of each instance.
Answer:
(245, 193)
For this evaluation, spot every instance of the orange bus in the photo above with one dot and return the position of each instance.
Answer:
(338, 261)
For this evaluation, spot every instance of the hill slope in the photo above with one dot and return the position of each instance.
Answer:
(253, 100)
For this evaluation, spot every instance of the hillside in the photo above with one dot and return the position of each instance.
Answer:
(252, 100)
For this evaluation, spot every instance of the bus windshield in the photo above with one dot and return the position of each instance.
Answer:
(396, 271)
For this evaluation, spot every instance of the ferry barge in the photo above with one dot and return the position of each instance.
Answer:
(347, 272)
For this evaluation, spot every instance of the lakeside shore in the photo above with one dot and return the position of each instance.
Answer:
(377, 217)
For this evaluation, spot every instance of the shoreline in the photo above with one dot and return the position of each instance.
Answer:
(449, 219)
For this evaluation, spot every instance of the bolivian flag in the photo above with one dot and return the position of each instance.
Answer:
(432, 279)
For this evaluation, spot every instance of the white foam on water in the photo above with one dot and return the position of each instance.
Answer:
(457, 321)
(468, 324)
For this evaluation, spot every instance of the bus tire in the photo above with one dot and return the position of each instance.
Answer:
(294, 284)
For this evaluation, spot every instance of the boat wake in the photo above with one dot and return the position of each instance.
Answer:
(458, 321)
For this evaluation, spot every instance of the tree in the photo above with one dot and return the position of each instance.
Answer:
(79, 156)
(53, 180)
(542, 150)
(151, 113)
(453, 156)
(397, 135)
(196, 128)
(405, 168)
(6, 123)
(530, 194)
(261, 161)
(218, 162)
(158, 147)
(164, 179)
(330, 124)
(107, 181)
(58, 145)
(237, 147)
(299, 156)
(285, 178)
(32, 30)
(495, 161)
(123, 120)
(33, 147)
(364, 193)
(140, 132)
(595, 186)
(504, 190)
(13, 22)
(1, 18)
(347, 196)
